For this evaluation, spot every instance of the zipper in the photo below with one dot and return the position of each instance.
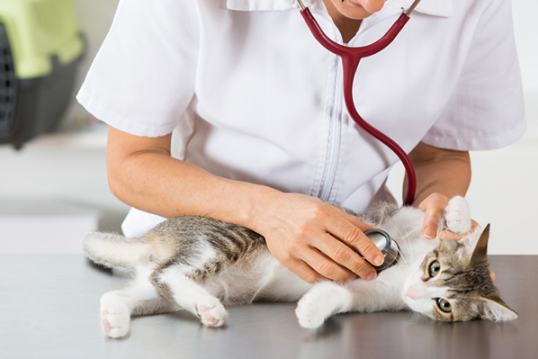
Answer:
(334, 138)
(335, 126)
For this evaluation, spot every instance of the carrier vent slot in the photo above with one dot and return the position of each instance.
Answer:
(8, 85)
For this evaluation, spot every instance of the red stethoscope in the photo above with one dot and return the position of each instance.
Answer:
(351, 56)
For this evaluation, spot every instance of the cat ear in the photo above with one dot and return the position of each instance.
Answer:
(474, 246)
(480, 251)
(496, 310)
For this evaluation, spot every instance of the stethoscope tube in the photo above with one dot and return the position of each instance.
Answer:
(350, 62)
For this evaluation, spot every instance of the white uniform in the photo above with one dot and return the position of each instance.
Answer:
(252, 96)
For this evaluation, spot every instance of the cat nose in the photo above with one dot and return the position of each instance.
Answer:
(416, 291)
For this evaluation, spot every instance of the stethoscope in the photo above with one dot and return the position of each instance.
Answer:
(351, 57)
(388, 246)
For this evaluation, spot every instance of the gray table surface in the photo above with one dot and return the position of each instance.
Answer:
(49, 307)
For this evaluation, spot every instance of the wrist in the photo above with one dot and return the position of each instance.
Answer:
(246, 204)
(259, 203)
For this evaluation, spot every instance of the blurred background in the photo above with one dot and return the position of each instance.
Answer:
(55, 188)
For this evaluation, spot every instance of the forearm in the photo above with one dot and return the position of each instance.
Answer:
(151, 180)
(450, 177)
(440, 171)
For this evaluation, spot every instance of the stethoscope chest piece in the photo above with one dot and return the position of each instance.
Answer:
(387, 246)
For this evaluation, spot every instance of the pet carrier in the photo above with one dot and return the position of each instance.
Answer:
(41, 45)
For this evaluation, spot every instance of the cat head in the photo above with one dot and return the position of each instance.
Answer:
(454, 283)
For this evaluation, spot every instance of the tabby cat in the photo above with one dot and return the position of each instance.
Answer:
(199, 264)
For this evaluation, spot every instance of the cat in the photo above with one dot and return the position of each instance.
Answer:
(198, 264)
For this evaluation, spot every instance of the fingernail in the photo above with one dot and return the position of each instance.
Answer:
(429, 233)
(379, 260)
(371, 276)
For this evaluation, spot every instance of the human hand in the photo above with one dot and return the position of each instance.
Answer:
(311, 238)
(434, 206)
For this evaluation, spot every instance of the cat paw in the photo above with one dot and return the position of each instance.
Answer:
(458, 215)
(211, 312)
(115, 321)
(309, 313)
(115, 315)
(322, 301)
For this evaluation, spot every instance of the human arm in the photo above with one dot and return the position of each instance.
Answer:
(302, 232)
(441, 175)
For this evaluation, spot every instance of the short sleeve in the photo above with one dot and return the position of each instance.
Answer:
(486, 109)
(142, 78)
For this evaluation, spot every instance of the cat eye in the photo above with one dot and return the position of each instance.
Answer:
(444, 305)
(435, 268)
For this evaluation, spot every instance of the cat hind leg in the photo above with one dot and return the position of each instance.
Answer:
(322, 301)
(174, 284)
(140, 299)
(118, 306)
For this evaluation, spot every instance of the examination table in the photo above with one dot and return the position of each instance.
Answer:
(49, 308)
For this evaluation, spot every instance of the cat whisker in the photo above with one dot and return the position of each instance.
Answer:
(403, 241)
(417, 317)
(401, 259)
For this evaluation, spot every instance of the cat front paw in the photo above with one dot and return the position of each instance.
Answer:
(322, 301)
(309, 314)
(211, 312)
(458, 215)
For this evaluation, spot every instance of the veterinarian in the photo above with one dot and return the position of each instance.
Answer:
(230, 109)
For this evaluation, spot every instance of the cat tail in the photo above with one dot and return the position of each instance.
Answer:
(114, 250)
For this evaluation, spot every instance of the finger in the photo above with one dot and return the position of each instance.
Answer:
(434, 206)
(352, 236)
(447, 234)
(357, 222)
(346, 257)
(434, 200)
(430, 225)
(492, 275)
(304, 271)
(325, 266)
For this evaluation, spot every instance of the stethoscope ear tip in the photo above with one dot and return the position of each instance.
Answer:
(411, 8)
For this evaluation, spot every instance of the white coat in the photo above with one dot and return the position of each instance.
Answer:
(251, 96)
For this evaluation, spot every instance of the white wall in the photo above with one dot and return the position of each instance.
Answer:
(503, 192)
(95, 17)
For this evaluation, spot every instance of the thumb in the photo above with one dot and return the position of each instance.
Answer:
(434, 206)
(430, 225)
